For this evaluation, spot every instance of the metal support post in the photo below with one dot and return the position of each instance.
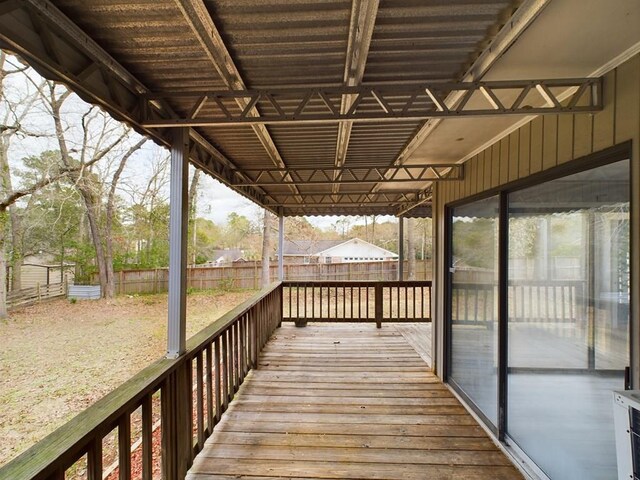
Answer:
(281, 248)
(400, 249)
(178, 223)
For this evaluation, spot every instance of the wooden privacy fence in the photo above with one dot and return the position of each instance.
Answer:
(249, 276)
(29, 296)
(356, 301)
(531, 301)
(217, 361)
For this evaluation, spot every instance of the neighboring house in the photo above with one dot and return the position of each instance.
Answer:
(334, 251)
(227, 256)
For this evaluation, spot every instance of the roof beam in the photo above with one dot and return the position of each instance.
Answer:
(197, 16)
(363, 19)
(382, 104)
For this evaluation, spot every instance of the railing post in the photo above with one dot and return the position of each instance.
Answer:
(377, 298)
(401, 248)
(177, 419)
(253, 322)
(280, 304)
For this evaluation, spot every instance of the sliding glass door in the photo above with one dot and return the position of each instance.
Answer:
(568, 332)
(564, 315)
(474, 279)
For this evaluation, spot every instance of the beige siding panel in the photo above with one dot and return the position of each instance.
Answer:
(550, 141)
(488, 165)
(504, 159)
(536, 144)
(627, 92)
(582, 135)
(514, 151)
(524, 149)
(480, 172)
(603, 121)
(495, 165)
(565, 138)
(473, 175)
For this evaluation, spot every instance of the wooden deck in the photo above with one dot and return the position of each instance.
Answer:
(346, 401)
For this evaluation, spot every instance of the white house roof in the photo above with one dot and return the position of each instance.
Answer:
(308, 247)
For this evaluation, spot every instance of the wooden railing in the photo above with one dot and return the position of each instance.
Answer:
(172, 404)
(407, 301)
(530, 301)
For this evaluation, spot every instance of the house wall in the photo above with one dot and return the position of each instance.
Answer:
(361, 251)
(541, 144)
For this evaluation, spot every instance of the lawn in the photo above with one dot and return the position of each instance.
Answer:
(57, 358)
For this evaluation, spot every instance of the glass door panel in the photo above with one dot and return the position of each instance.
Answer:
(568, 326)
(473, 273)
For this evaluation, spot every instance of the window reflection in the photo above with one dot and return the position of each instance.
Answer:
(568, 299)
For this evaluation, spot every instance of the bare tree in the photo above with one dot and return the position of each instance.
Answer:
(266, 248)
(101, 138)
(12, 116)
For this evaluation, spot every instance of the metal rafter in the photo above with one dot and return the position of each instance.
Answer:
(61, 51)
(382, 104)
(197, 16)
(363, 19)
(359, 175)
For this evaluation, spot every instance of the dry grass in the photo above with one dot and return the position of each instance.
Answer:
(57, 358)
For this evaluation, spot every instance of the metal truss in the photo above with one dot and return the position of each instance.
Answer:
(381, 104)
(422, 198)
(350, 175)
(379, 199)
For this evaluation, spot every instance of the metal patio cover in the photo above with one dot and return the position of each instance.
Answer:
(306, 107)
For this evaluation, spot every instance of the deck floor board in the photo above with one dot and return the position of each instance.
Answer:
(347, 401)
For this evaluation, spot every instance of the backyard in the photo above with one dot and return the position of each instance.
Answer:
(57, 358)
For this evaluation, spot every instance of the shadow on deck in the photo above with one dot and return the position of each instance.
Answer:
(348, 401)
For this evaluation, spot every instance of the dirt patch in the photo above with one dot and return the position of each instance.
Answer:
(57, 358)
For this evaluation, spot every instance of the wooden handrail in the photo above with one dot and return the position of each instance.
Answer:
(230, 346)
(357, 301)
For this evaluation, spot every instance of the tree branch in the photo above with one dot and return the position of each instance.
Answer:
(16, 195)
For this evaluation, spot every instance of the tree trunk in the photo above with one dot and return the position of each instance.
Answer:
(193, 195)
(17, 254)
(96, 238)
(411, 249)
(3, 265)
(110, 284)
(266, 249)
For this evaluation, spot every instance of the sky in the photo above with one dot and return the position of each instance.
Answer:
(215, 200)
